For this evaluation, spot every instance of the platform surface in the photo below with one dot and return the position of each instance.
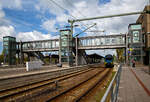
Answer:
(16, 72)
(134, 85)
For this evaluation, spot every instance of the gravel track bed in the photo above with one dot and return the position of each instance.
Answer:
(19, 81)
(78, 92)
(64, 85)
(52, 86)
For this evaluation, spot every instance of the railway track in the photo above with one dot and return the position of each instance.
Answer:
(25, 91)
(77, 92)
(12, 82)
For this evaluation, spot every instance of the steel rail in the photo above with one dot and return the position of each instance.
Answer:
(52, 80)
(64, 92)
(92, 87)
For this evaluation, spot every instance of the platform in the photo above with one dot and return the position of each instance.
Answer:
(18, 72)
(134, 85)
(21, 72)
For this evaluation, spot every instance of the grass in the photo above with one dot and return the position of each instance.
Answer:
(105, 85)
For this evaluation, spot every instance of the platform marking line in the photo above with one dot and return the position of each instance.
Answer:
(141, 83)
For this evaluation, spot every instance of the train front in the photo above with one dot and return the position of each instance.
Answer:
(109, 61)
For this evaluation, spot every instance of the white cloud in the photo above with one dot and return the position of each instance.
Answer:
(111, 25)
(91, 8)
(62, 18)
(2, 14)
(3, 21)
(23, 36)
(49, 25)
(34, 35)
(5, 28)
(44, 5)
(15, 4)
(6, 31)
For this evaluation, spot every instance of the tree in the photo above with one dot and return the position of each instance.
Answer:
(120, 55)
(2, 56)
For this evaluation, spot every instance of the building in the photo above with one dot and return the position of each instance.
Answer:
(135, 43)
(144, 20)
(9, 48)
(94, 58)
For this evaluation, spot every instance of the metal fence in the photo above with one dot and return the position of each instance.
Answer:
(112, 91)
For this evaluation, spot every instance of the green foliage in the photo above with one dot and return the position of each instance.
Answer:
(115, 58)
(46, 60)
(2, 56)
(120, 55)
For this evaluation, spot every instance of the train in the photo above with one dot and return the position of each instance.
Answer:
(109, 61)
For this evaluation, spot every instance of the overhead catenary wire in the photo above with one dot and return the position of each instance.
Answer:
(65, 10)
(77, 10)
(95, 27)
(85, 30)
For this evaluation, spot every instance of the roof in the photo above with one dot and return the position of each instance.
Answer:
(9, 37)
(95, 56)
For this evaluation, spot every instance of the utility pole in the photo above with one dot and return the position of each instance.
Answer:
(76, 38)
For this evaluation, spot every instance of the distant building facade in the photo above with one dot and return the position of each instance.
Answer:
(144, 20)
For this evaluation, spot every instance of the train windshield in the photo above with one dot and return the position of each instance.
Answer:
(108, 57)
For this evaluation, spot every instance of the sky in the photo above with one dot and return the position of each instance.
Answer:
(41, 19)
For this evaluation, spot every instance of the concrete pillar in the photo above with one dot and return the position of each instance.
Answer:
(76, 51)
(28, 56)
(81, 58)
(60, 51)
(21, 53)
(49, 59)
(18, 58)
(125, 52)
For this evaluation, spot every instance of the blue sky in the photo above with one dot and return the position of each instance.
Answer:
(38, 19)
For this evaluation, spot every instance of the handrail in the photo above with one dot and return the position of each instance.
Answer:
(113, 89)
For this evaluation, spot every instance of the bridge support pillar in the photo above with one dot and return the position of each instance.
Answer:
(82, 57)
(28, 56)
(126, 56)
(76, 51)
(81, 60)
(18, 62)
(21, 53)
